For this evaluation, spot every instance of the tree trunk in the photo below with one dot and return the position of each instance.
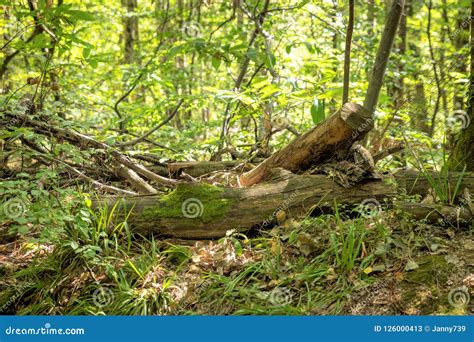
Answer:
(383, 52)
(333, 138)
(130, 31)
(347, 53)
(199, 210)
(463, 153)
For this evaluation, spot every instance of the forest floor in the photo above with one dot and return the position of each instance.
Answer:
(386, 264)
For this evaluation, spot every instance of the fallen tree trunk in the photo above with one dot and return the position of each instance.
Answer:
(197, 210)
(444, 215)
(197, 169)
(331, 139)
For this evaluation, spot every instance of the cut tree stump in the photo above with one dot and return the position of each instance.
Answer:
(330, 140)
(197, 210)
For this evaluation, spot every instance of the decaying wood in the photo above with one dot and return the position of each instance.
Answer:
(242, 208)
(84, 142)
(197, 169)
(136, 181)
(331, 139)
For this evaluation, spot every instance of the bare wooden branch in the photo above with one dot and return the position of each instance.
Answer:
(98, 184)
(154, 129)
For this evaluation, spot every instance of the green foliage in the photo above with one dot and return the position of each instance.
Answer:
(71, 63)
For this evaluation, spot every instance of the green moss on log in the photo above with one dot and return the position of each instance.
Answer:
(191, 201)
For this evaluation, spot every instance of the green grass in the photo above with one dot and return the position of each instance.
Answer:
(269, 274)
(441, 182)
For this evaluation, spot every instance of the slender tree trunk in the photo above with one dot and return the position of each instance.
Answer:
(347, 53)
(402, 46)
(435, 72)
(380, 64)
(461, 39)
(130, 31)
(371, 16)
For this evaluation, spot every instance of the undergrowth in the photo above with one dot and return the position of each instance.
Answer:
(313, 266)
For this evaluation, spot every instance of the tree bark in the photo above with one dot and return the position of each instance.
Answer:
(329, 140)
(194, 211)
(463, 153)
(383, 52)
(130, 31)
(443, 215)
(347, 53)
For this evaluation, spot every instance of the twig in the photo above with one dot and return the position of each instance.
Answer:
(83, 176)
(388, 151)
(154, 129)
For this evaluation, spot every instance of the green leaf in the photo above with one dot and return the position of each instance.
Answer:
(76, 15)
(252, 54)
(40, 41)
(86, 52)
(22, 230)
(270, 60)
(309, 46)
(216, 62)
(317, 111)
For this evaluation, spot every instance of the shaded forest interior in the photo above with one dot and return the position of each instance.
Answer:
(236, 157)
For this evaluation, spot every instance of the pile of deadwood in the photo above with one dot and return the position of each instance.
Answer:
(319, 169)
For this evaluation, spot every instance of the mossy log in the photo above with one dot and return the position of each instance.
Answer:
(197, 210)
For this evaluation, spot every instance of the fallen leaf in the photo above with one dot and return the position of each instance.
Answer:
(411, 265)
